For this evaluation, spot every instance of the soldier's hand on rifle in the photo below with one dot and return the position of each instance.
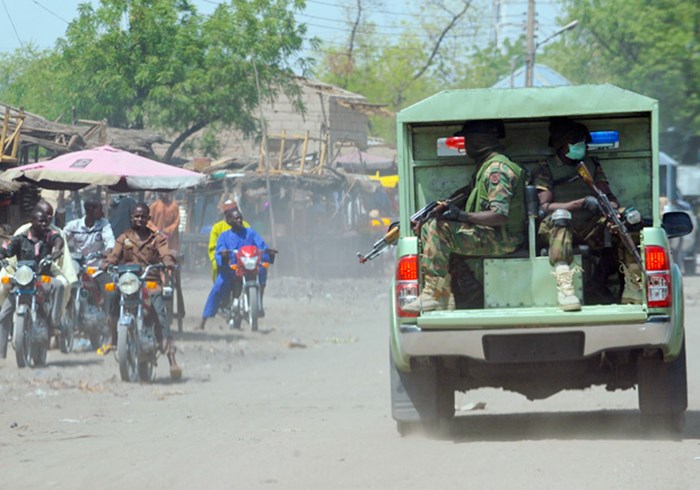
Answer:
(591, 204)
(415, 227)
(453, 213)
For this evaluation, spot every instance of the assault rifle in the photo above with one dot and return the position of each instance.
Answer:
(431, 210)
(617, 226)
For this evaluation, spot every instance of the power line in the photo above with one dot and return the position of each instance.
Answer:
(12, 23)
(50, 11)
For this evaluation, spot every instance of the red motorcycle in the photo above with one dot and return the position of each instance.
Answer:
(85, 311)
(247, 264)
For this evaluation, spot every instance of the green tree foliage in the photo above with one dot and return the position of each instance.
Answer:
(649, 47)
(29, 78)
(440, 51)
(159, 63)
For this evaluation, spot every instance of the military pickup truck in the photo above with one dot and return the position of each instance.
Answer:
(509, 332)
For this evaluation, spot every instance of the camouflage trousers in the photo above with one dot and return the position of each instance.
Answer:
(561, 240)
(442, 238)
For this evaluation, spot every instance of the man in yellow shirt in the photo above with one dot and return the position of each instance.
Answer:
(216, 230)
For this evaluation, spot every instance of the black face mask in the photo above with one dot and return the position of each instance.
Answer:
(479, 145)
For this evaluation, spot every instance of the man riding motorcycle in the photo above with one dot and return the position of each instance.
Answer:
(65, 271)
(226, 280)
(91, 236)
(144, 246)
(35, 244)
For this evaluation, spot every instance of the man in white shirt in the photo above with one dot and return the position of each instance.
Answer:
(92, 234)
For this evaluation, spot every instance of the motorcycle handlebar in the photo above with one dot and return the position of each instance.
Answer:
(114, 269)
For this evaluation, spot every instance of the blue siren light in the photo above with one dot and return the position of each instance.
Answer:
(604, 140)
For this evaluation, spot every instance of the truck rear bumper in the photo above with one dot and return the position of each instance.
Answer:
(656, 331)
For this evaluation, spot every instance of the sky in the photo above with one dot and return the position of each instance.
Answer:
(41, 22)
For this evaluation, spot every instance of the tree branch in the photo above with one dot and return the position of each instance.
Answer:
(441, 37)
(351, 44)
(181, 138)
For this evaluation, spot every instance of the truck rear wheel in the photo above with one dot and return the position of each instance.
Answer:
(663, 391)
(689, 266)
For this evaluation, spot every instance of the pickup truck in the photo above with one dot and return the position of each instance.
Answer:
(510, 332)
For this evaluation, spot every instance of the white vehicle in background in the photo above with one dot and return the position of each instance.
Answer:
(683, 249)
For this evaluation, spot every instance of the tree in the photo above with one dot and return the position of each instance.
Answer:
(159, 63)
(29, 79)
(649, 47)
(440, 49)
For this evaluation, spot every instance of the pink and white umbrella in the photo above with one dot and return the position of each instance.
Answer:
(118, 170)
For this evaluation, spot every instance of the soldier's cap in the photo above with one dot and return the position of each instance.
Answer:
(494, 127)
(228, 205)
(563, 130)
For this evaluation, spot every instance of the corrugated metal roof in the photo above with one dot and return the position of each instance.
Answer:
(542, 76)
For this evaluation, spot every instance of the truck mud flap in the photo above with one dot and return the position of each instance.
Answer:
(414, 394)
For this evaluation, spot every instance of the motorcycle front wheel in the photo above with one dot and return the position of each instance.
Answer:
(253, 307)
(126, 352)
(38, 350)
(66, 335)
(4, 338)
(21, 339)
(236, 315)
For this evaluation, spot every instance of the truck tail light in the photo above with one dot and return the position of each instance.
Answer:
(406, 284)
(658, 272)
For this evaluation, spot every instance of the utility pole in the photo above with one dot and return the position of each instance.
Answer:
(530, 44)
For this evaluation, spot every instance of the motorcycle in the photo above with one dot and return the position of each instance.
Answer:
(85, 312)
(137, 346)
(247, 265)
(30, 332)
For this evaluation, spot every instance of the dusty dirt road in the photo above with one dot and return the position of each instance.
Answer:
(305, 404)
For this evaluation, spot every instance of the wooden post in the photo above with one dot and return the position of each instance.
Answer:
(283, 140)
(303, 152)
(3, 135)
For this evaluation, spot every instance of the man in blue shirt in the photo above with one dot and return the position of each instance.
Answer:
(233, 239)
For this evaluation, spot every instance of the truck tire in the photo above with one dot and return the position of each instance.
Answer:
(420, 398)
(689, 266)
(663, 391)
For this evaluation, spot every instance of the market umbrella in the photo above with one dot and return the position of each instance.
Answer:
(118, 170)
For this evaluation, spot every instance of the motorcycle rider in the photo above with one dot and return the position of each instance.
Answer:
(65, 271)
(233, 239)
(92, 234)
(216, 230)
(36, 243)
(145, 246)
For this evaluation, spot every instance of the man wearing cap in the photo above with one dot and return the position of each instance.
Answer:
(216, 230)
(572, 214)
(493, 222)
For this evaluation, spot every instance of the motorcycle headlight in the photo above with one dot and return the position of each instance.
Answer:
(128, 283)
(24, 275)
(249, 262)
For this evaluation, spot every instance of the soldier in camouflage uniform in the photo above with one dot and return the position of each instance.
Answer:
(572, 214)
(493, 222)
